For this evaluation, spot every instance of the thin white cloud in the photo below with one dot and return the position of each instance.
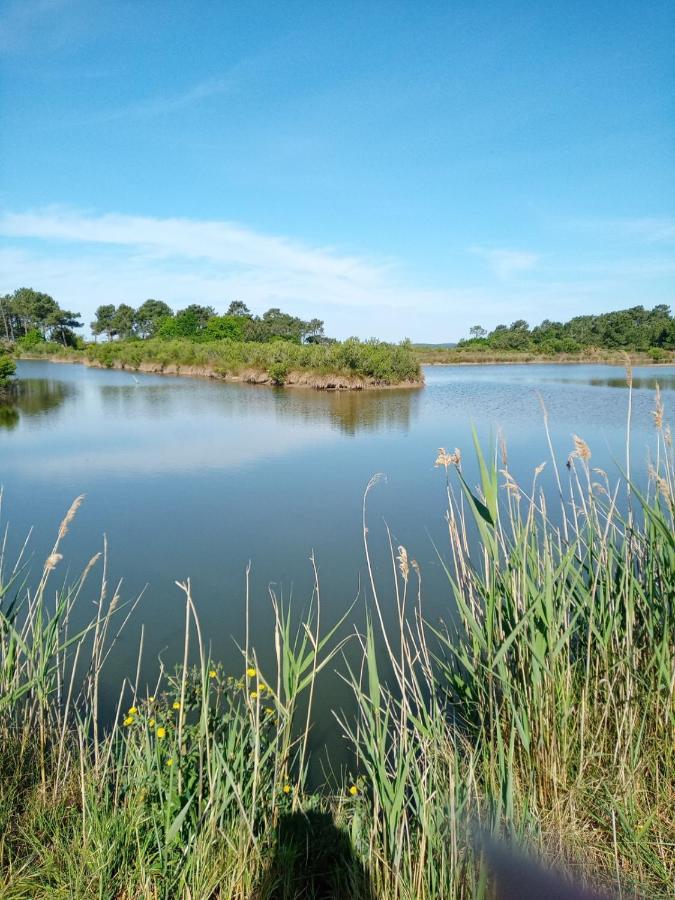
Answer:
(223, 243)
(507, 263)
(157, 106)
(646, 229)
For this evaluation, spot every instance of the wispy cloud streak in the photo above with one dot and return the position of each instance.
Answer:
(506, 263)
(158, 106)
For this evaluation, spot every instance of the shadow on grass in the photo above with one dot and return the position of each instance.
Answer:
(314, 860)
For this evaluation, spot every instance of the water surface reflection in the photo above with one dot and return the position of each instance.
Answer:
(195, 478)
(32, 397)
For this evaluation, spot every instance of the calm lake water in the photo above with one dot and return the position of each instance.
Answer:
(190, 477)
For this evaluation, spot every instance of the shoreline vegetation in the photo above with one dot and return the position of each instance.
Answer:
(346, 365)
(465, 356)
(637, 336)
(277, 348)
(544, 711)
(274, 348)
(639, 333)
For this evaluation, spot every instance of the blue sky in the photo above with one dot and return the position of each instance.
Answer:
(397, 169)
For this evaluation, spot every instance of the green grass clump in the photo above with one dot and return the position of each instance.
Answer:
(362, 363)
(542, 711)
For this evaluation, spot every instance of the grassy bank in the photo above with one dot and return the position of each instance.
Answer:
(545, 712)
(429, 356)
(350, 364)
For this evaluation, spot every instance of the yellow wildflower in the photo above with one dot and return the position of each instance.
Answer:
(132, 710)
(176, 704)
(151, 699)
(212, 673)
(262, 687)
(254, 695)
(151, 723)
(287, 789)
(129, 720)
(353, 790)
(250, 672)
(161, 732)
(169, 761)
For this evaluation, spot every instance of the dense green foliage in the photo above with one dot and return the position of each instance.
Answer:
(27, 312)
(201, 323)
(7, 367)
(374, 362)
(635, 329)
(544, 710)
(276, 346)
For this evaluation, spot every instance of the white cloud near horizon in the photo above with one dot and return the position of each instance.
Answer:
(85, 259)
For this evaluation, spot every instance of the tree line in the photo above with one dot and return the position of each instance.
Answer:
(34, 315)
(634, 329)
(154, 318)
(29, 316)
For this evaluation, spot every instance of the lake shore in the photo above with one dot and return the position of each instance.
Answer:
(313, 380)
(606, 358)
(350, 366)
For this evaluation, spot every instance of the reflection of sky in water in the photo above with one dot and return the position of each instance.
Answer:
(189, 477)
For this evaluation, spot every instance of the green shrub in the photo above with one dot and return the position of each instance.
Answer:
(7, 367)
(278, 372)
(219, 328)
(31, 339)
(185, 324)
(376, 361)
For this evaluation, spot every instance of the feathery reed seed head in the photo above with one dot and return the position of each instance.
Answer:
(403, 563)
(70, 515)
(52, 561)
(581, 448)
(448, 459)
(657, 412)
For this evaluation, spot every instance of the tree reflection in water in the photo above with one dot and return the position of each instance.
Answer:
(30, 398)
(349, 411)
